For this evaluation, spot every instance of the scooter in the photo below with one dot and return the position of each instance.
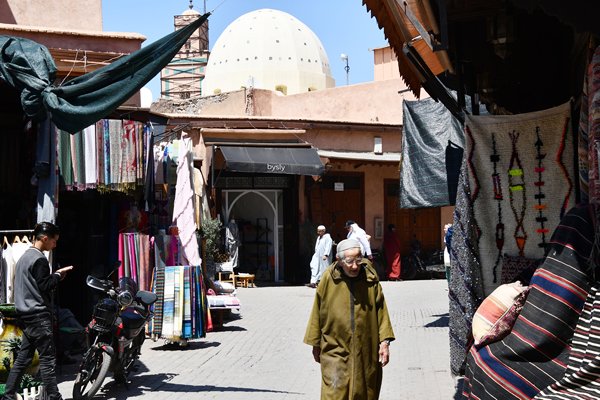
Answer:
(114, 335)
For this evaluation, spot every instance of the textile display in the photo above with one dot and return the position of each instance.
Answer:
(583, 142)
(11, 253)
(46, 171)
(182, 303)
(465, 289)
(430, 132)
(181, 307)
(521, 177)
(592, 109)
(109, 155)
(134, 255)
(29, 67)
(581, 378)
(517, 182)
(183, 208)
(535, 353)
(90, 156)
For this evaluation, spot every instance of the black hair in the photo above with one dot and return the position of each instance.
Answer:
(45, 229)
(391, 226)
(349, 223)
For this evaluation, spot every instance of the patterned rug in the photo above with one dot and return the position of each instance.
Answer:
(516, 182)
(521, 174)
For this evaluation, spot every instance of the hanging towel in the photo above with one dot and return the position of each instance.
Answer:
(183, 210)
(90, 155)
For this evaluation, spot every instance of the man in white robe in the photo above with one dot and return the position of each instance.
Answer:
(322, 257)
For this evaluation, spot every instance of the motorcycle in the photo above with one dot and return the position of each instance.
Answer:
(114, 335)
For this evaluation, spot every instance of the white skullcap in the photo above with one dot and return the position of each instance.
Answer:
(345, 245)
(321, 228)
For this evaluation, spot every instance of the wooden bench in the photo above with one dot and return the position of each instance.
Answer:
(245, 280)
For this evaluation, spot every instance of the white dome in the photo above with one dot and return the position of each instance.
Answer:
(266, 49)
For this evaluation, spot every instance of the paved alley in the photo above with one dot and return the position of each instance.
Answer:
(260, 354)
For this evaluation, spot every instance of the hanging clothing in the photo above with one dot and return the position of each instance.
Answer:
(391, 247)
(90, 155)
(134, 255)
(232, 241)
(46, 172)
(318, 265)
(183, 208)
(359, 234)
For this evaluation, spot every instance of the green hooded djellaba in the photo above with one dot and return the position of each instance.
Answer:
(349, 320)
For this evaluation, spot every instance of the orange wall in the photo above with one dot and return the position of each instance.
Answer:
(386, 64)
(374, 176)
(63, 14)
(366, 102)
(354, 140)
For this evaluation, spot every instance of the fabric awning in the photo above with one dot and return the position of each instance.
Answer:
(80, 102)
(272, 160)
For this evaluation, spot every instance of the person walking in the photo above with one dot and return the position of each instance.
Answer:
(34, 284)
(447, 248)
(358, 233)
(322, 256)
(391, 247)
(349, 327)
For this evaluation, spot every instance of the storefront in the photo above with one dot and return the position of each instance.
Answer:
(258, 189)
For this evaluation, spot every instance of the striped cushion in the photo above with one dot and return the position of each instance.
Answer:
(496, 315)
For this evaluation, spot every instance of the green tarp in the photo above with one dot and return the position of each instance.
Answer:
(80, 102)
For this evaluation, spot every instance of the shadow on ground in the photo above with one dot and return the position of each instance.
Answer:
(191, 345)
(442, 322)
(141, 385)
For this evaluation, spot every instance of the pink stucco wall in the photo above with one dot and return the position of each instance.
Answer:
(77, 40)
(360, 140)
(69, 14)
(366, 102)
(385, 64)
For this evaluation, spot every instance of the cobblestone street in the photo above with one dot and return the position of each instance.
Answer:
(260, 354)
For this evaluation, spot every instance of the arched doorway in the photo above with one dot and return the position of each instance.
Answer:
(259, 215)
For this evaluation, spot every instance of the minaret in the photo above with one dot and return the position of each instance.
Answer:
(182, 77)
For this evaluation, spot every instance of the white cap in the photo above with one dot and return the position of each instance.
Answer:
(345, 245)
(321, 228)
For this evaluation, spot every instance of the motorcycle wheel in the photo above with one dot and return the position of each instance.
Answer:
(131, 356)
(93, 370)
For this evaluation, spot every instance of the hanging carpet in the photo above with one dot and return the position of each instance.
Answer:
(432, 150)
(516, 183)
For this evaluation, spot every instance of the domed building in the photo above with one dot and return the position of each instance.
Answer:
(267, 49)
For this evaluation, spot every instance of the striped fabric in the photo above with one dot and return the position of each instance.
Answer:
(535, 353)
(582, 379)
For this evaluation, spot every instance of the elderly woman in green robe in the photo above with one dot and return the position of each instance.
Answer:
(349, 327)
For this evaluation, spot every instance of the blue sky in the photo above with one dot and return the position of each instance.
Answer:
(344, 26)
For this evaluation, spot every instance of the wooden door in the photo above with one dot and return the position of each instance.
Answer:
(420, 223)
(333, 208)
